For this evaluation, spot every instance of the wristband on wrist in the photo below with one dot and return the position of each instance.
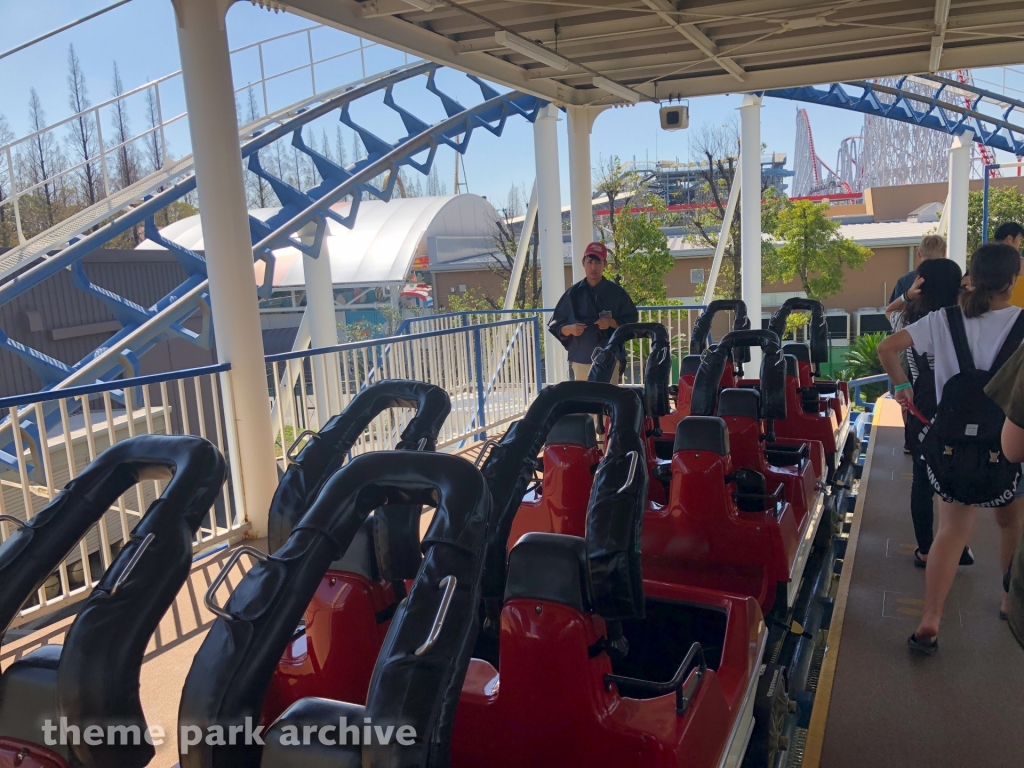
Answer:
(901, 387)
(904, 297)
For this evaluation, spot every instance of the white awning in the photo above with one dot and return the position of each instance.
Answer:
(382, 246)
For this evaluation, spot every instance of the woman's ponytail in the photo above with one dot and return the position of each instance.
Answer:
(992, 269)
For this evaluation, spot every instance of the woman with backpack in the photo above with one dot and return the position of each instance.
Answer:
(936, 285)
(961, 448)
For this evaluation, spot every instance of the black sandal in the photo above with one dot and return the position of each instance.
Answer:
(921, 646)
(918, 561)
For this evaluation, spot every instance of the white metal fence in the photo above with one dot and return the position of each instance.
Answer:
(677, 319)
(490, 371)
(82, 423)
(489, 363)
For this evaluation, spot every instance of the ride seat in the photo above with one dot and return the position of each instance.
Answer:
(346, 621)
(361, 556)
(687, 370)
(702, 433)
(559, 505)
(574, 429)
(798, 350)
(313, 711)
(743, 402)
(28, 696)
(551, 567)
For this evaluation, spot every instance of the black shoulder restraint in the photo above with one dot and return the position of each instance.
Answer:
(964, 358)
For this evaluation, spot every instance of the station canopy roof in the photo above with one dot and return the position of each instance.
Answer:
(662, 49)
(386, 242)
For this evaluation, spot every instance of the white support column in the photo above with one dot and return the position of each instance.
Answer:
(956, 198)
(213, 126)
(549, 221)
(750, 215)
(580, 124)
(524, 245)
(323, 329)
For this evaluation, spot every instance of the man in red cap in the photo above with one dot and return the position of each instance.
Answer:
(589, 312)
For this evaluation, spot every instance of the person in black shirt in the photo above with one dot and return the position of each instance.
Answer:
(931, 247)
(589, 312)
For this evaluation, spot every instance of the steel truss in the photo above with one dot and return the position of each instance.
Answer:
(944, 105)
(143, 327)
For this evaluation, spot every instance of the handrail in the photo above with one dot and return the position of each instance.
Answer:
(302, 353)
(856, 384)
(16, 401)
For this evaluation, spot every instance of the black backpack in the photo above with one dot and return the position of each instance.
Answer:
(962, 450)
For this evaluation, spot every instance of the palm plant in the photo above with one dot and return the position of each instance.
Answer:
(862, 361)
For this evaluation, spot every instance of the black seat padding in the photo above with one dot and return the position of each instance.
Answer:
(792, 368)
(702, 433)
(785, 455)
(551, 567)
(810, 399)
(689, 364)
(826, 387)
(751, 490)
(361, 556)
(800, 351)
(317, 712)
(737, 401)
(28, 697)
(574, 429)
(640, 391)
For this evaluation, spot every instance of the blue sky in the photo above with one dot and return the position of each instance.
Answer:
(140, 36)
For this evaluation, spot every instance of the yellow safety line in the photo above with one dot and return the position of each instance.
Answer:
(823, 696)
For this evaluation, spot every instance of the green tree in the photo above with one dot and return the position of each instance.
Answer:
(640, 257)
(811, 250)
(615, 181)
(1004, 204)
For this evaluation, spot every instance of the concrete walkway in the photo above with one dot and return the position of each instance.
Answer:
(963, 707)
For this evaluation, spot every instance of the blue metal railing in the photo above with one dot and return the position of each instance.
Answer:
(18, 401)
(856, 384)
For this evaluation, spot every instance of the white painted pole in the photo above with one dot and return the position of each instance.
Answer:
(323, 329)
(524, 246)
(213, 126)
(955, 212)
(723, 235)
(581, 201)
(750, 215)
(549, 220)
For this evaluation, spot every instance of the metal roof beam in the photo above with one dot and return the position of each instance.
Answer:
(935, 51)
(419, 41)
(984, 54)
(702, 42)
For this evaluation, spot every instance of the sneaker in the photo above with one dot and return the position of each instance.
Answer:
(967, 558)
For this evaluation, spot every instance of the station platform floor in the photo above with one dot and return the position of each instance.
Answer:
(877, 704)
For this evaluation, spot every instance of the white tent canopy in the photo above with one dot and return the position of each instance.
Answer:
(382, 246)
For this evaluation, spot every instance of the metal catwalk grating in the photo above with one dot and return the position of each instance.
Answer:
(817, 659)
(796, 749)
